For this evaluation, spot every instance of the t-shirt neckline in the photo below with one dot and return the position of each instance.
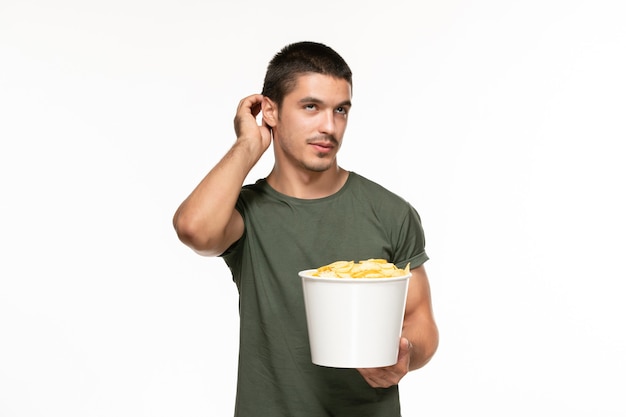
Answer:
(270, 190)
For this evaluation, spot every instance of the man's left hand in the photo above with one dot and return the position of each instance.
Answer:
(388, 376)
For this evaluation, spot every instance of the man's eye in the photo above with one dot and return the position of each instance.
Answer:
(341, 110)
(310, 106)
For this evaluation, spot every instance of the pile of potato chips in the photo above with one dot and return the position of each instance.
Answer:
(370, 268)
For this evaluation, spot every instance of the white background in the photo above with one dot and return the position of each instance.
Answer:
(501, 121)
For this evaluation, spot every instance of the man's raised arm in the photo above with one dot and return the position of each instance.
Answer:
(207, 221)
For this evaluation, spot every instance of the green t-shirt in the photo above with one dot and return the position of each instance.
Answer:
(284, 235)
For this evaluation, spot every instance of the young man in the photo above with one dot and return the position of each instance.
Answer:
(306, 213)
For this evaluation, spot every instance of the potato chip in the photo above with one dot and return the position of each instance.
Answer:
(369, 268)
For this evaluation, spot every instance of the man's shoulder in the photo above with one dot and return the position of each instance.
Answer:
(253, 190)
(255, 186)
(372, 188)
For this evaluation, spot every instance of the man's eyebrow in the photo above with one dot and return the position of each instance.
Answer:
(310, 99)
(346, 103)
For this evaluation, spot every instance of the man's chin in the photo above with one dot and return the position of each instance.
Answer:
(321, 163)
(318, 167)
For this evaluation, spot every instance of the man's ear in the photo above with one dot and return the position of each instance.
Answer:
(270, 112)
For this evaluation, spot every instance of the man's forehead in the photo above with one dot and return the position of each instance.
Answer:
(321, 87)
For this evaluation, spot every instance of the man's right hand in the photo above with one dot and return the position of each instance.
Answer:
(246, 127)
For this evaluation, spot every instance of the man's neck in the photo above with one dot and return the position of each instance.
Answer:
(307, 184)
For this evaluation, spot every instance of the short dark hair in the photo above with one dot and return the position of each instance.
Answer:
(300, 58)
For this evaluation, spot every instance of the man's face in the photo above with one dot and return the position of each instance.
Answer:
(311, 122)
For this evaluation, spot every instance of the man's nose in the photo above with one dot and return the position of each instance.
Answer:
(328, 123)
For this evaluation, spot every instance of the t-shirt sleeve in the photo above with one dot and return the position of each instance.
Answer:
(232, 255)
(411, 242)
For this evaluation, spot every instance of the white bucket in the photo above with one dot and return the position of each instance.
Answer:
(354, 322)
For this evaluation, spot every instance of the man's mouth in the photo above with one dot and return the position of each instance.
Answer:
(323, 145)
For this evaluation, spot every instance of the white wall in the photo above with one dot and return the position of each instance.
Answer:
(500, 121)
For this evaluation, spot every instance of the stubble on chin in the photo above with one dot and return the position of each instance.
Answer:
(322, 163)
